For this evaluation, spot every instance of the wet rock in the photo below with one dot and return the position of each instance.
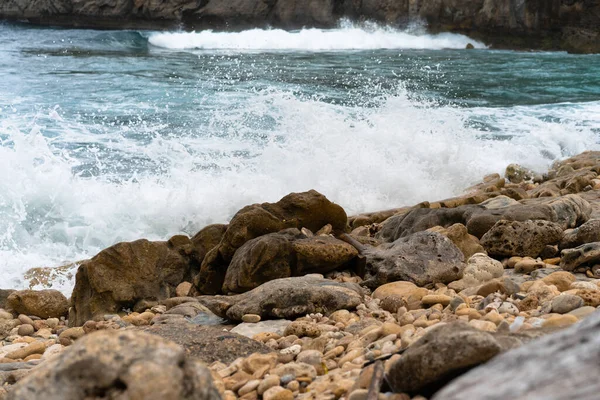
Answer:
(586, 254)
(517, 173)
(586, 233)
(423, 258)
(480, 269)
(282, 255)
(561, 365)
(118, 364)
(208, 343)
(514, 238)
(310, 210)
(439, 356)
(126, 273)
(47, 303)
(287, 298)
(457, 233)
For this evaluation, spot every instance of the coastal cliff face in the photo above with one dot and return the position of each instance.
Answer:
(572, 25)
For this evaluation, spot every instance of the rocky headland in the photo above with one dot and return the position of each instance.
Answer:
(571, 25)
(493, 294)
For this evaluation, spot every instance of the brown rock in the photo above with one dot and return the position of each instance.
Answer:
(68, 336)
(586, 254)
(47, 303)
(26, 330)
(514, 238)
(183, 289)
(590, 297)
(125, 364)
(561, 279)
(458, 234)
(33, 348)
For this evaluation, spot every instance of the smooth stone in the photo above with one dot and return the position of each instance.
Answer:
(25, 330)
(252, 329)
(566, 303)
(278, 393)
(251, 318)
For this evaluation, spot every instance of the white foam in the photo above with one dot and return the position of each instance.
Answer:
(347, 37)
(398, 153)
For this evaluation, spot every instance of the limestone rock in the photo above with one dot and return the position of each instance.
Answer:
(586, 254)
(208, 343)
(479, 270)
(586, 233)
(514, 238)
(467, 244)
(287, 298)
(439, 356)
(310, 210)
(46, 303)
(561, 365)
(118, 364)
(423, 258)
(561, 279)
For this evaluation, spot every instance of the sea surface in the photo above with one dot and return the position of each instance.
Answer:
(109, 136)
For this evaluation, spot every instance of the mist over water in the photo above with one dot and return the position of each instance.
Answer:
(114, 136)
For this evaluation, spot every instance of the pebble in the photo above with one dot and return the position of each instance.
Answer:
(268, 382)
(566, 303)
(251, 318)
(278, 393)
(25, 330)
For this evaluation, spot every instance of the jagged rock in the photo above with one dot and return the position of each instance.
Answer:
(439, 356)
(423, 258)
(118, 364)
(287, 298)
(573, 181)
(479, 270)
(282, 255)
(568, 211)
(467, 244)
(208, 343)
(562, 365)
(46, 303)
(204, 241)
(525, 239)
(127, 273)
(586, 233)
(586, 254)
(310, 210)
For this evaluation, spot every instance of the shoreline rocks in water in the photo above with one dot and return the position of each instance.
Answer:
(571, 26)
(445, 299)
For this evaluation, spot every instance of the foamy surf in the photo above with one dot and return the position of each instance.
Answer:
(345, 38)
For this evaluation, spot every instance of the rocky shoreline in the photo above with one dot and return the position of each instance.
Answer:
(493, 294)
(541, 25)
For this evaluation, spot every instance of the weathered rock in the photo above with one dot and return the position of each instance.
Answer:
(309, 210)
(586, 233)
(467, 244)
(207, 239)
(287, 298)
(566, 303)
(561, 279)
(514, 238)
(439, 356)
(479, 270)
(208, 343)
(47, 303)
(586, 254)
(562, 365)
(118, 364)
(4, 293)
(517, 173)
(126, 273)
(282, 255)
(423, 258)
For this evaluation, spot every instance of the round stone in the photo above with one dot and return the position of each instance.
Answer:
(251, 318)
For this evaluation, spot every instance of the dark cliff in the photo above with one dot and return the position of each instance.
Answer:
(572, 25)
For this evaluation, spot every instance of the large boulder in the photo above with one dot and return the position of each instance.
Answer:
(525, 239)
(127, 273)
(586, 233)
(284, 254)
(562, 365)
(568, 211)
(118, 364)
(287, 298)
(423, 258)
(208, 343)
(309, 210)
(46, 303)
(439, 356)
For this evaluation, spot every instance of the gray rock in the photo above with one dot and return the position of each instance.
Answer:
(566, 303)
(287, 298)
(586, 233)
(423, 258)
(559, 366)
(118, 364)
(525, 239)
(439, 356)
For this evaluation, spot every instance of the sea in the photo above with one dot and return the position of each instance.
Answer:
(110, 136)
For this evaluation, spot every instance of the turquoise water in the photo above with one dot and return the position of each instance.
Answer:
(114, 135)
